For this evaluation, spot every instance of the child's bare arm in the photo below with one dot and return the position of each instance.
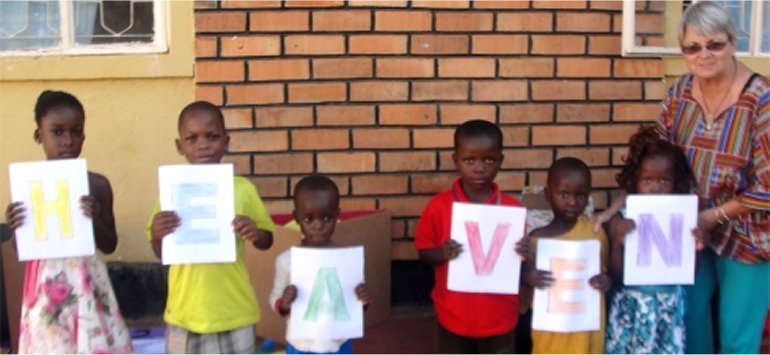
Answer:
(610, 212)
(247, 229)
(98, 207)
(287, 298)
(163, 224)
(437, 256)
(617, 229)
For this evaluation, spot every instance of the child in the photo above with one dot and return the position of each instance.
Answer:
(316, 208)
(567, 191)
(467, 322)
(647, 319)
(68, 304)
(211, 308)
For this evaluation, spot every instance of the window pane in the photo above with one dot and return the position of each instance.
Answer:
(740, 12)
(766, 27)
(98, 22)
(29, 24)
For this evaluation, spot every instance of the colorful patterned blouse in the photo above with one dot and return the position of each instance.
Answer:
(730, 160)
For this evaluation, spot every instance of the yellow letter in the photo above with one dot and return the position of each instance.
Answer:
(59, 207)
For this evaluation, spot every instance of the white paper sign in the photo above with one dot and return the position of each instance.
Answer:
(488, 235)
(54, 224)
(570, 304)
(202, 195)
(661, 249)
(327, 306)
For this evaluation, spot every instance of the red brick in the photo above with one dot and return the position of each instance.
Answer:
(438, 4)
(404, 206)
(582, 22)
(381, 138)
(377, 44)
(402, 21)
(258, 94)
(230, 21)
(250, 4)
(408, 161)
(279, 21)
(537, 178)
(591, 156)
(558, 44)
(213, 94)
(345, 162)
(603, 178)
(378, 3)
(343, 115)
(249, 46)
(279, 69)
(342, 68)
(558, 5)
(320, 139)
(342, 20)
(379, 184)
(514, 136)
(558, 135)
(241, 163)
(205, 47)
(606, 4)
(558, 90)
(283, 116)
(527, 158)
(526, 67)
(500, 4)
(433, 137)
(617, 23)
(459, 113)
(283, 163)
(604, 45)
(654, 90)
(580, 112)
(379, 91)
(614, 90)
(524, 22)
(397, 251)
(526, 113)
(238, 118)
(271, 186)
(612, 134)
(279, 206)
(314, 44)
(442, 90)
(499, 90)
(317, 92)
(408, 114)
(358, 204)
(510, 181)
(466, 67)
(445, 161)
(219, 71)
(618, 154)
(258, 141)
(405, 68)
(499, 44)
(639, 68)
(440, 44)
(650, 23)
(636, 111)
(314, 3)
(432, 183)
(582, 67)
(464, 21)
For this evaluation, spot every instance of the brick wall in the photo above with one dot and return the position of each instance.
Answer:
(369, 92)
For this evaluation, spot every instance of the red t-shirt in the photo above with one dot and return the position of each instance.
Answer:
(466, 314)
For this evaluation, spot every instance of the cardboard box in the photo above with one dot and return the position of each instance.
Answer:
(368, 228)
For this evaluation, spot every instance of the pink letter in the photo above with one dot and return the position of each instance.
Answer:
(484, 265)
(561, 285)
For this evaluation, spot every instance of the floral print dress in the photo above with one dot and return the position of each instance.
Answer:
(68, 306)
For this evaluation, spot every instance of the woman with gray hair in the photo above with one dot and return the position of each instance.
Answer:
(719, 115)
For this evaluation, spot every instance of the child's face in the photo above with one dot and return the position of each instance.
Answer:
(317, 212)
(202, 138)
(568, 194)
(656, 176)
(477, 160)
(61, 133)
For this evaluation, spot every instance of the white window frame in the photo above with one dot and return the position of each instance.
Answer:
(68, 47)
(630, 49)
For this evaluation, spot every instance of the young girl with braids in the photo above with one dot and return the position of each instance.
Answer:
(646, 319)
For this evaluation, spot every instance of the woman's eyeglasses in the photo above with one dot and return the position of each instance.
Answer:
(712, 46)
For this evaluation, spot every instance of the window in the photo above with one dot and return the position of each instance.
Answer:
(651, 27)
(63, 27)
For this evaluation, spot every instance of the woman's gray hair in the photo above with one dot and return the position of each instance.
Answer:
(707, 18)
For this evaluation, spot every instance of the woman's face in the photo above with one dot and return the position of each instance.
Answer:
(708, 64)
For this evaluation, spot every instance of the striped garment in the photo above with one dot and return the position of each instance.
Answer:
(731, 160)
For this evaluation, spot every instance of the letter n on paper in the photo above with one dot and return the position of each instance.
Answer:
(650, 233)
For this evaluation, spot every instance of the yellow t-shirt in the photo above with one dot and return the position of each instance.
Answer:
(216, 297)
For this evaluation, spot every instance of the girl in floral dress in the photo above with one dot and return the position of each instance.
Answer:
(68, 304)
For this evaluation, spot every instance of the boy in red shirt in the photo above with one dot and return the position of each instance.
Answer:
(468, 322)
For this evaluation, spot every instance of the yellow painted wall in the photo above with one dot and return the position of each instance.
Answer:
(131, 104)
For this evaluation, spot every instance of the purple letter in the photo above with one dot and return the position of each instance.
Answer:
(485, 264)
(650, 232)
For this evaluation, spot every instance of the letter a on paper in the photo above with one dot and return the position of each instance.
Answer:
(58, 207)
(485, 264)
(327, 283)
(650, 232)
